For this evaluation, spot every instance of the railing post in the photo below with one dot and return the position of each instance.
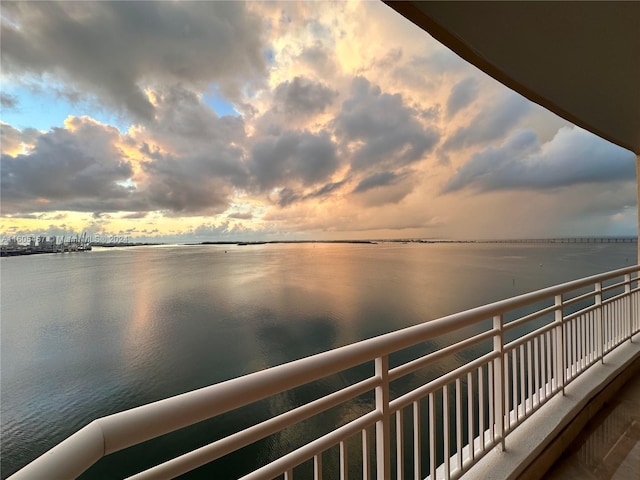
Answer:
(498, 379)
(383, 430)
(599, 322)
(560, 344)
(627, 291)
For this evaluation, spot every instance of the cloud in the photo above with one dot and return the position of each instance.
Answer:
(182, 119)
(574, 156)
(494, 121)
(303, 97)
(193, 158)
(186, 162)
(288, 196)
(8, 101)
(381, 129)
(302, 157)
(384, 188)
(115, 49)
(319, 58)
(295, 104)
(225, 229)
(196, 142)
(376, 180)
(14, 141)
(241, 215)
(190, 185)
(11, 139)
(135, 215)
(76, 169)
(427, 72)
(327, 189)
(462, 95)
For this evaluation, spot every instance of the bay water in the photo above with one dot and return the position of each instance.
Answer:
(84, 335)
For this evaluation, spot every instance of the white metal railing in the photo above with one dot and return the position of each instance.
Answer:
(458, 386)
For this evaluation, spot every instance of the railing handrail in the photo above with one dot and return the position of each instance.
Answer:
(121, 430)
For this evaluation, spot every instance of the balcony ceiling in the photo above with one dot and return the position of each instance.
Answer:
(581, 60)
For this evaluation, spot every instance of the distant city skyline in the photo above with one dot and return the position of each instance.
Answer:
(208, 121)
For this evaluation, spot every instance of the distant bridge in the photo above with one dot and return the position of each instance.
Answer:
(529, 240)
(567, 240)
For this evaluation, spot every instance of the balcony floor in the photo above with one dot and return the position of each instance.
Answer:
(609, 446)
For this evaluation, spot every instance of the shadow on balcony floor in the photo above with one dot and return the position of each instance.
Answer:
(609, 446)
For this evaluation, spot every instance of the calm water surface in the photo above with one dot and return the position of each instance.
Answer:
(89, 334)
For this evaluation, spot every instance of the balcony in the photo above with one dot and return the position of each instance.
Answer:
(483, 391)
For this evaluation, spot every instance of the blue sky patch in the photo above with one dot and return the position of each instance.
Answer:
(43, 110)
(222, 107)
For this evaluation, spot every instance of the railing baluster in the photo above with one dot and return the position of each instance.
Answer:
(543, 367)
(612, 327)
(383, 447)
(622, 327)
(567, 353)
(589, 340)
(481, 426)
(399, 445)
(589, 337)
(548, 348)
(635, 309)
(417, 450)
(593, 341)
(599, 322)
(529, 377)
(317, 467)
(470, 416)
(445, 432)
(574, 348)
(506, 420)
(616, 316)
(366, 465)
(523, 393)
(620, 324)
(616, 324)
(499, 383)
(288, 475)
(344, 467)
(459, 422)
(583, 342)
(620, 337)
(432, 435)
(536, 367)
(491, 377)
(607, 328)
(581, 338)
(514, 387)
(560, 343)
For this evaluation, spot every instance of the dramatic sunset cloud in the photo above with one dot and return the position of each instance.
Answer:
(191, 121)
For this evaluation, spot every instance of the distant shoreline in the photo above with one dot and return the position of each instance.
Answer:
(6, 252)
(567, 240)
(24, 250)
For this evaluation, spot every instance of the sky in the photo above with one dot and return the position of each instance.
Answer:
(216, 121)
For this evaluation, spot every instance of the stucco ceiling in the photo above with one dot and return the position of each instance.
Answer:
(580, 60)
